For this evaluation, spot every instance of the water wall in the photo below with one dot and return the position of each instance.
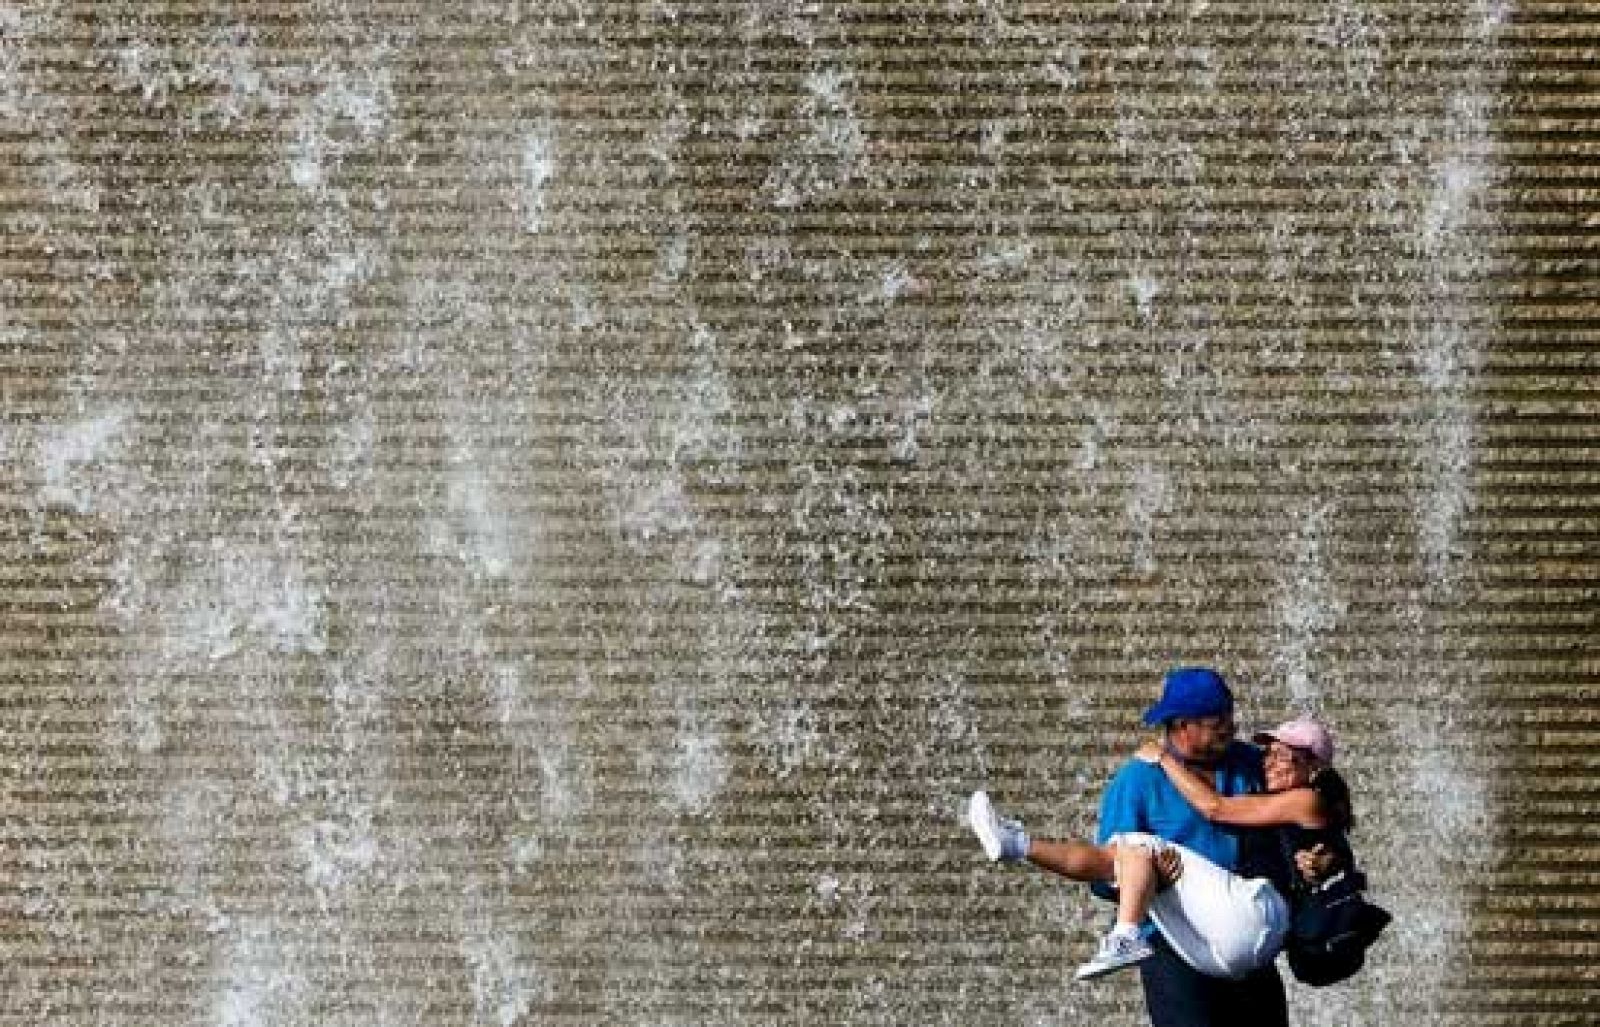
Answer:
(540, 512)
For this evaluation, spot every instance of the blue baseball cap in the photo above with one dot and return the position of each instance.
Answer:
(1191, 692)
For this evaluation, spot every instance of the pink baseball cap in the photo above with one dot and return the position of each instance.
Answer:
(1301, 733)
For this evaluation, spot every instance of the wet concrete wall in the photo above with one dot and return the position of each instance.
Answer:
(539, 513)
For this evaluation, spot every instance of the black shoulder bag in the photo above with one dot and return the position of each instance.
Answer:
(1331, 925)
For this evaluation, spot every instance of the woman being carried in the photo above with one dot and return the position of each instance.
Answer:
(1220, 923)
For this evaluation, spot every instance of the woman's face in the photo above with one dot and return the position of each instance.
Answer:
(1287, 767)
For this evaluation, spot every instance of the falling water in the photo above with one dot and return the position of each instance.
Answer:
(535, 513)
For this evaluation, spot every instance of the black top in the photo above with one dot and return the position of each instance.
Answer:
(1335, 795)
(1295, 838)
(1269, 851)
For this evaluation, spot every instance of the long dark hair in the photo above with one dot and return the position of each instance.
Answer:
(1335, 795)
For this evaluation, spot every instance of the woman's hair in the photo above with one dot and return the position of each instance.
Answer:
(1335, 795)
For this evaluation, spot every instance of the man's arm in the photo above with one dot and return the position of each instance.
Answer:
(1295, 806)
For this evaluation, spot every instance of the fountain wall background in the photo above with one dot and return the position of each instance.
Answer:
(540, 512)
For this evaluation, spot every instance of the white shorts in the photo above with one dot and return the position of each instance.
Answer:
(1221, 924)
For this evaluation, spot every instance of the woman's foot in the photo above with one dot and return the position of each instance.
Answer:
(1117, 950)
(1003, 840)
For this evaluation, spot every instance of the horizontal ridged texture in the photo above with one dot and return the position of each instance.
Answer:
(541, 512)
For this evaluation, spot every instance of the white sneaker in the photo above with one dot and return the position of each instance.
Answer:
(1116, 951)
(1002, 840)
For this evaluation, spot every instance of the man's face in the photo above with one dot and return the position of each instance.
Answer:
(1204, 739)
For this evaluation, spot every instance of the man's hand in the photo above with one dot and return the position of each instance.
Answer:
(1150, 751)
(1317, 863)
(1169, 867)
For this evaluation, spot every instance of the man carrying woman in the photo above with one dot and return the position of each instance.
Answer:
(1188, 834)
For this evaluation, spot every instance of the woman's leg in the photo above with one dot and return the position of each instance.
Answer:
(1005, 841)
(1136, 882)
(1078, 861)
(1137, 873)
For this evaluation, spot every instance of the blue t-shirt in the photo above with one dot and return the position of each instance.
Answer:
(1140, 797)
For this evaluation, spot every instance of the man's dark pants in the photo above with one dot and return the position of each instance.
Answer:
(1177, 995)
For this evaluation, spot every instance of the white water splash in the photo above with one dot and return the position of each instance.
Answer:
(545, 738)
(1149, 497)
(895, 281)
(656, 511)
(699, 767)
(1092, 439)
(348, 111)
(336, 855)
(1449, 354)
(505, 983)
(1443, 824)
(788, 735)
(1357, 33)
(67, 457)
(1450, 454)
(913, 416)
(242, 85)
(538, 168)
(1143, 290)
(1066, 70)
(354, 448)
(832, 150)
(1308, 607)
(259, 983)
(1493, 14)
(674, 258)
(248, 600)
(484, 532)
(1004, 258)
(15, 30)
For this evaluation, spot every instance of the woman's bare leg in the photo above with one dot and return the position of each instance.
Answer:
(1078, 861)
(1137, 877)
(1138, 874)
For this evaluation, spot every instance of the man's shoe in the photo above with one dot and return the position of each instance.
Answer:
(1002, 840)
(1116, 952)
